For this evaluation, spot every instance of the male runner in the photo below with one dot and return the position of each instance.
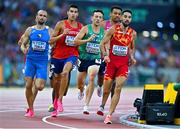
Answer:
(65, 54)
(38, 37)
(121, 38)
(89, 39)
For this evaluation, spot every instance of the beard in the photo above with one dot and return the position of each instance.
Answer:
(125, 24)
(41, 22)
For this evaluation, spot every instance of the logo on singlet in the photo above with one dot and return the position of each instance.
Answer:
(39, 35)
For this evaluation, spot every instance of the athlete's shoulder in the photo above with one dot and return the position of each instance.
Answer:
(132, 30)
(80, 24)
(85, 27)
(60, 23)
(29, 29)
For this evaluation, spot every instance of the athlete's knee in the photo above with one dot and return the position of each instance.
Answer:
(92, 76)
(40, 87)
(65, 73)
(39, 84)
(118, 88)
(106, 90)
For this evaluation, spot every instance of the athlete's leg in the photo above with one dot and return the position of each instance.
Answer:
(52, 79)
(115, 99)
(29, 72)
(92, 72)
(100, 83)
(113, 88)
(69, 78)
(64, 79)
(81, 80)
(101, 74)
(28, 92)
(100, 80)
(34, 90)
(51, 106)
(108, 80)
(56, 85)
(81, 77)
(52, 86)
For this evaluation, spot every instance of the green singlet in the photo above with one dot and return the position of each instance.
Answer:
(91, 50)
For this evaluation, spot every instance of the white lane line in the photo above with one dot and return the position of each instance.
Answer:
(59, 125)
(44, 119)
(123, 120)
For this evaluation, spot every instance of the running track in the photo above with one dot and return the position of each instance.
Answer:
(13, 106)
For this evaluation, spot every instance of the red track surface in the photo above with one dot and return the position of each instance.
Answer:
(13, 107)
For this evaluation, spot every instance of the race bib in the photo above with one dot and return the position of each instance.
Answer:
(120, 50)
(70, 41)
(92, 48)
(38, 45)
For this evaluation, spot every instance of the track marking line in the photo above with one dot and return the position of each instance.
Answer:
(59, 125)
(123, 120)
(44, 119)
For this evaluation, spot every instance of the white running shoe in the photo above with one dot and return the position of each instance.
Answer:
(85, 110)
(99, 91)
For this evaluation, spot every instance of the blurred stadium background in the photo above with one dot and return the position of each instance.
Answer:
(156, 21)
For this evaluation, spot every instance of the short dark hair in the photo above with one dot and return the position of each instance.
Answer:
(127, 10)
(98, 10)
(116, 7)
(73, 6)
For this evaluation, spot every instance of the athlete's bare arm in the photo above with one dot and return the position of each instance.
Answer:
(105, 41)
(24, 40)
(78, 39)
(58, 28)
(51, 33)
(132, 50)
(20, 40)
(103, 24)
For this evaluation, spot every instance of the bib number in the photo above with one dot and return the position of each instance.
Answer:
(120, 50)
(92, 48)
(38, 45)
(70, 41)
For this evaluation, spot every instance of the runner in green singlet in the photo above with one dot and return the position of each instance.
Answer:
(89, 39)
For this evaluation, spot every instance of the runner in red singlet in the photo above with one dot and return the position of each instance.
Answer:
(64, 55)
(121, 53)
